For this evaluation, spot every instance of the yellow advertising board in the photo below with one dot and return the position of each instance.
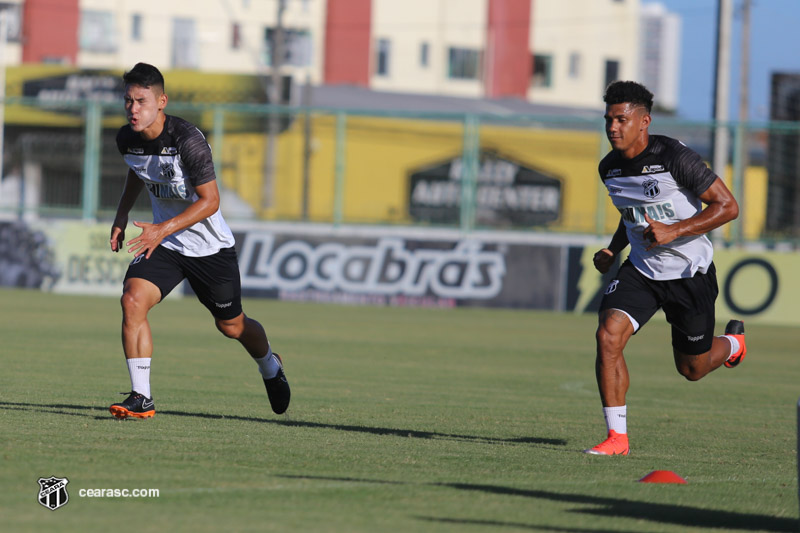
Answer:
(754, 286)
(759, 286)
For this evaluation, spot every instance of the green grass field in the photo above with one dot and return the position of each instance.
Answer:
(401, 420)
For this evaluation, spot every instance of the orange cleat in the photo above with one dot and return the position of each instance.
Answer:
(135, 406)
(735, 328)
(615, 444)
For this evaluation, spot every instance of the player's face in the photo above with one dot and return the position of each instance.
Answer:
(626, 128)
(143, 109)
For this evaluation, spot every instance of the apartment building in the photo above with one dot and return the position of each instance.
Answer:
(660, 51)
(553, 52)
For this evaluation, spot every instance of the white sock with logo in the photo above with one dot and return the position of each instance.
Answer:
(616, 418)
(139, 369)
(268, 365)
(734, 343)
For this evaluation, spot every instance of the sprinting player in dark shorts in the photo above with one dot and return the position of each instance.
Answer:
(188, 239)
(659, 187)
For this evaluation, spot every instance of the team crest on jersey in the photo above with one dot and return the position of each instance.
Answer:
(169, 150)
(651, 169)
(167, 170)
(614, 172)
(651, 189)
(136, 151)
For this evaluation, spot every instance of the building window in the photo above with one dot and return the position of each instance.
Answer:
(383, 57)
(97, 31)
(12, 14)
(542, 70)
(575, 65)
(236, 36)
(463, 63)
(296, 47)
(612, 71)
(424, 51)
(136, 27)
(184, 44)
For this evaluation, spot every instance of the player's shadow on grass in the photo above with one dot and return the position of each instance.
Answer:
(680, 515)
(517, 525)
(66, 409)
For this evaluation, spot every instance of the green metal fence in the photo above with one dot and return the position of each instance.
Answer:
(61, 160)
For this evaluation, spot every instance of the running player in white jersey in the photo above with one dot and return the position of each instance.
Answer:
(659, 187)
(188, 239)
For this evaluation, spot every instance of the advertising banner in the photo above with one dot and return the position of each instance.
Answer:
(398, 270)
(62, 256)
(507, 193)
(395, 267)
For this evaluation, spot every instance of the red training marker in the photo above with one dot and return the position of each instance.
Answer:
(662, 476)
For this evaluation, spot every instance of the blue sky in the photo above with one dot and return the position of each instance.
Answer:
(774, 46)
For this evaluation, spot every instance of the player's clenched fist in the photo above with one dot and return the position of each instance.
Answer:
(603, 260)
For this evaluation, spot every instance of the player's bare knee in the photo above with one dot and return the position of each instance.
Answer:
(692, 372)
(608, 341)
(230, 328)
(131, 303)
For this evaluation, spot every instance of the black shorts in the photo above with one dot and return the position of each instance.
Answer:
(688, 304)
(214, 278)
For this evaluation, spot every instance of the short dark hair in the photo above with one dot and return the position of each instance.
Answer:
(144, 75)
(623, 92)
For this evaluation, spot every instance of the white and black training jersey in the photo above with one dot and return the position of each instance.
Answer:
(171, 166)
(665, 181)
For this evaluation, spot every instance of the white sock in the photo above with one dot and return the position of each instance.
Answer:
(616, 418)
(139, 369)
(268, 365)
(734, 343)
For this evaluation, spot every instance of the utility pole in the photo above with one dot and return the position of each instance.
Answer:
(3, 40)
(744, 112)
(744, 63)
(720, 140)
(306, 146)
(275, 94)
(722, 86)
